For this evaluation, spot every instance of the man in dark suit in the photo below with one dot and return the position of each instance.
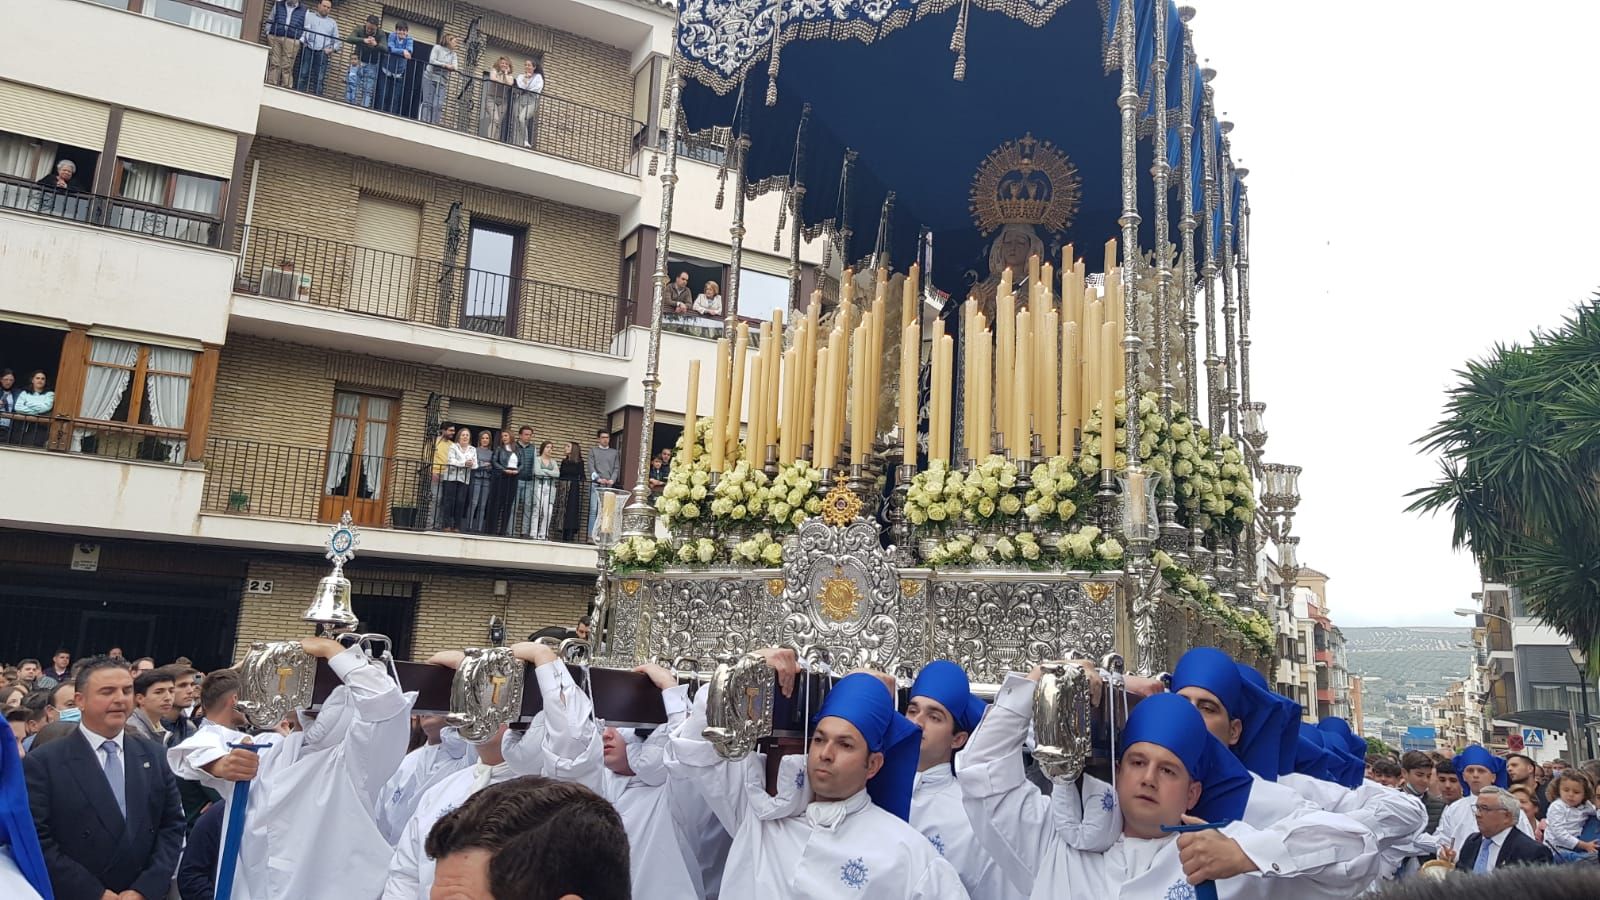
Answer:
(104, 802)
(1498, 844)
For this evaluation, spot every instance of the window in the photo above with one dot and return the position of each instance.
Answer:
(358, 450)
(215, 16)
(490, 305)
(160, 186)
(135, 384)
(760, 294)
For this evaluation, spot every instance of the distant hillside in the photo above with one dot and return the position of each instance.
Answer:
(1409, 660)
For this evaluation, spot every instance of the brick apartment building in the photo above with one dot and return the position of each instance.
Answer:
(257, 304)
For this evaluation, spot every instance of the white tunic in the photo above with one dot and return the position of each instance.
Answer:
(411, 869)
(1457, 823)
(661, 858)
(1395, 818)
(12, 885)
(422, 768)
(310, 828)
(936, 811)
(790, 847)
(1564, 825)
(1040, 844)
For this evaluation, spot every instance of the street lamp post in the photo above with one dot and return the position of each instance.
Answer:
(1581, 659)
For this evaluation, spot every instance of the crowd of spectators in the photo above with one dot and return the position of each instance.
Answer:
(387, 71)
(493, 483)
(114, 816)
(25, 408)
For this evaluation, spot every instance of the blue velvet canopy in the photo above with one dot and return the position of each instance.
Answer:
(810, 81)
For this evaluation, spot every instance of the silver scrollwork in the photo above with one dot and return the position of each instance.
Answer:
(739, 706)
(486, 693)
(841, 594)
(1063, 722)
(275, 679)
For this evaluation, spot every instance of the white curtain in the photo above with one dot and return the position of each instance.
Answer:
(104, 387)
(373, 441)
(346, 406)
(16, 156)
(195, 193)
(168, 395)
(144, 182)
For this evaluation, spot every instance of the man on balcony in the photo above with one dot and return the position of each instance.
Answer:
(318, 43)
(441, 461)
(605, 470)
(284, 28)
(371, 45)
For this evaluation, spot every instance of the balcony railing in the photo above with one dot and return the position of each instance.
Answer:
(468, 100)
(291, 266)
(250, 478)
(109, 212)
(90, 437)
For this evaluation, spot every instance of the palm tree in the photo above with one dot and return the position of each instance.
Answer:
(1520, 460)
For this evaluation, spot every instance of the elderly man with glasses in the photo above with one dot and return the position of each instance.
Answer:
(1498, 843)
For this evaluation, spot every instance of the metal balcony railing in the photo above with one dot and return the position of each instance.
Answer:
(252, 478)
(91, 437)
(290, 266)
(116, 213)
(472, 99)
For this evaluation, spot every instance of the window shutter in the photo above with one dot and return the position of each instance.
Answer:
(53, 117)
(177, 145)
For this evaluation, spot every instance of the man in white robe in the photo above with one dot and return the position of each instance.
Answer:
(1242, 720)
(410, 869)
(837, 827)
(310, 828)
(943, 705)
(1477, 768)
(1169, 766)
(629, 773)
(444, 754)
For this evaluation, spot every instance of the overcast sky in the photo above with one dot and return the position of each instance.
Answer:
(1422, 186)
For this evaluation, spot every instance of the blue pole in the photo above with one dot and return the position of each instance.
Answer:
(1205, 890)
(235, 829)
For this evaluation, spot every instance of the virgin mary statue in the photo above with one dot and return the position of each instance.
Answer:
(1023, 186)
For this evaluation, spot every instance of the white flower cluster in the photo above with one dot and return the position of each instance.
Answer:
(637, 553)
(957, 551)
(938, 495)
(760, 549)
(1155, 444)
(682, 499)
(1247, 622)
(1087, 548)
(739, 496)
(1024, 546)
(1217, 496)
(699, 550)
(791, 498)
(1049, 499)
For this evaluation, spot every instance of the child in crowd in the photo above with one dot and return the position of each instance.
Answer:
(1571, 810)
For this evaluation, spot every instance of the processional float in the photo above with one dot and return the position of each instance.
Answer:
(964, 444)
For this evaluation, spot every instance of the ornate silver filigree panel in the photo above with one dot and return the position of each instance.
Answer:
(992, 623)
(841, 599)
(275, 679)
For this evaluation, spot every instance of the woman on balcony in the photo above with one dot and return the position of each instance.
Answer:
(545, 472)
(496, 97)
(482, 479)
(572, 480)
(530, 84)
(442, 62)
(35, 401)
(458, 467)
(8, 402)
(503, 492)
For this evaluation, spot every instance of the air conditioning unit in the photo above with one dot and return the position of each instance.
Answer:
(285, 285)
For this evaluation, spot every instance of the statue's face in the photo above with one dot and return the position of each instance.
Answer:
(1014, 247)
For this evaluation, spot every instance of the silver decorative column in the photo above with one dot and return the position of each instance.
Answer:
(1187, 224)
(1158, 174)
(740, 148)
(639, 516)
(1208, 271)
(1229, 310)
(1241, 262)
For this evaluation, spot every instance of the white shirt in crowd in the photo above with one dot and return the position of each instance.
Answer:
(660, 852)
(443, 57)
(708, 306)
(1563, 824)
(533, 84)
(794, 846)
(422, 768)
(311, 828)
(937, 812)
